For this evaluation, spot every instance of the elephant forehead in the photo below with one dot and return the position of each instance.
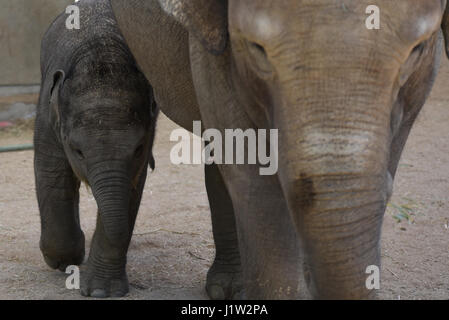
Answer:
(105, 117)
(266, 18)
(315, 28)
(107, 101)
(422, 18)
(256, 20)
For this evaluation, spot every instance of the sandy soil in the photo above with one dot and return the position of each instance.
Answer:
(172, 246)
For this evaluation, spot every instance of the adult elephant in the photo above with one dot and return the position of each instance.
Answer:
(344, 98)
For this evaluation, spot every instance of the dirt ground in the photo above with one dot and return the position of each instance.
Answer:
(172, 245)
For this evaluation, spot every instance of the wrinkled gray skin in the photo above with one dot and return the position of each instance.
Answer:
(95, 124)
(344, 99)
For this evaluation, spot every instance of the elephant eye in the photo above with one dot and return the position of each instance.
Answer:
(79, 154)
(259, 59)
(139, 151)
(257, 50)
(412, 62)
(418, 48)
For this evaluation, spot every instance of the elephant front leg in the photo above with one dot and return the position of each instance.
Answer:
(224, 279)
(105, 275)
(62, 240)
(269, 248)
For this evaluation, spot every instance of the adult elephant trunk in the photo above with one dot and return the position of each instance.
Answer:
(333, 156)
(111, 188)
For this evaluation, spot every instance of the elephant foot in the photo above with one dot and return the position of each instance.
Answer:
(64, 255)
(224, 282)
(103, 280)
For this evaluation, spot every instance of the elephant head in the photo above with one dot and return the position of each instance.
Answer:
(343, 97)
(104, 116)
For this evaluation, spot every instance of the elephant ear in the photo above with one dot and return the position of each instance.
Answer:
(445, 25)
(207, 20)
(58, 80)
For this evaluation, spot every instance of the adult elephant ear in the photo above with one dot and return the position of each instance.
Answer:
(445, 25)
(207, 20)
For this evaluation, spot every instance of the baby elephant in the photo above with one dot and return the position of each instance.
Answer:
(95, 124)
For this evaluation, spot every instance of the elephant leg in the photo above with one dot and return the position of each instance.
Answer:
(62, 240)
(224, 279)
(269, 247)
(105, 275)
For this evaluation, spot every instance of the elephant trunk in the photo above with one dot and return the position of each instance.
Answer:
(339, 219)
(111, 189)
(333, 172)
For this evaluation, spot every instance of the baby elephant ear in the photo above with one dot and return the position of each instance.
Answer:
(445, 25)
(207, 20)
(58, 80)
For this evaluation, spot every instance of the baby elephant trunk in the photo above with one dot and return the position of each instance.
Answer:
(111, 190)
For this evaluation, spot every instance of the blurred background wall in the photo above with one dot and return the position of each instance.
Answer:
(22, 25)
